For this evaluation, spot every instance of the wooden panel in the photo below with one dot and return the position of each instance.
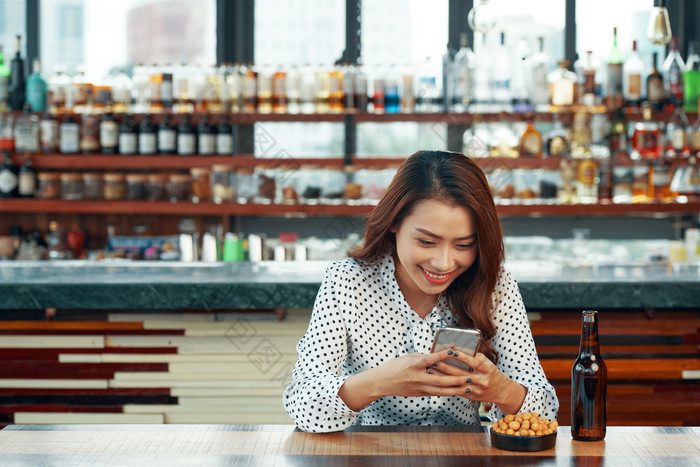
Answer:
(76, 417)
(33, 342)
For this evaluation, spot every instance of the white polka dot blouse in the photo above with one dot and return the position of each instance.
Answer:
(360, 320)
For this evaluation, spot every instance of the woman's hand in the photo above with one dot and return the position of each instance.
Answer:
(486, 383)
(410, 375)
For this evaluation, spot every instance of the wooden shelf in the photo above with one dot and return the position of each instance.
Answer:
(301, 210)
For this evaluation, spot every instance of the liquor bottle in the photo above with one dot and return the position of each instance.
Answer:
(186, 137)
(587, 180)
(335, 90)
(155, 104)
(378, 102)
(562, 85)
(48, 133)
(148, 137)
(539, 66)
(428, 93)
(26, 180)
(392, 98)
(250, 86)
(8, 177)
(482, 73)
(567, 192)
(673, 74)
(589, 384)
(613, 85)
(279, 92)
(694, 135)
(587, 70)
(27, 133)
(121, 93)
(622, 165)
(677, 132)
(462, 75)
(59, 89)
(293, 90)
(167, 136)
(89, 133)
(17, 87)
(109, 133)
(206, 138)
(447, 90)
(531, 141)
(4, 82)
(264, 90)
(691, 78)
(605, 179)
(557, 140)
(632, 78)
(225, 143)
(82, 92)
(661, 174)
(645, 139)
(349, 73)
(655, 86)
(501, 74)
(36, 89)
(234, 81)
(128, 137)
(408, 96)
(618, 127)
(519, 94)
(69, 135)
(166, 92)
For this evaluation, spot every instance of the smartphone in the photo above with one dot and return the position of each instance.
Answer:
(464, 340)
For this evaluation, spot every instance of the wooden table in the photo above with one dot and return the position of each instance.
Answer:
(168, 445)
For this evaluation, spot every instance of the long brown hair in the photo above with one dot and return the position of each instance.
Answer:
(455, 179)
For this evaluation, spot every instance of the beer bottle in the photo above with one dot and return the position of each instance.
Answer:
(589, 380)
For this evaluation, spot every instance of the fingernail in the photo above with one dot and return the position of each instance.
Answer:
(430, 372)
(435, 364)
(469, 380)
(468, 390)
(450, 352)
(456, 354)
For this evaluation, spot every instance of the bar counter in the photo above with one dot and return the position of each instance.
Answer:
(30, 285)
(283, 445)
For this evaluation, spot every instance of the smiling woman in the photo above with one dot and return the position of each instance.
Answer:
(432, 257)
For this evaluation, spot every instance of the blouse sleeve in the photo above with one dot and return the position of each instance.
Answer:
(517, 354)
(311, 399)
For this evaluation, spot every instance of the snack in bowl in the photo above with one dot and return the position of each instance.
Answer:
(524, 432)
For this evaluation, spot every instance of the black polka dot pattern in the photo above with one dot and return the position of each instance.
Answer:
(360, 320)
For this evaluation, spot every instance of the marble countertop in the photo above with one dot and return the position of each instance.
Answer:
(173, 285)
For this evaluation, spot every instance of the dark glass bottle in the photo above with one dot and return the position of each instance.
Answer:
(186, 137)
(206, 138)
(167, 136)
(148, 140)
(225, 141)
(17, 86)
(589, 381)
(655, 87)
(128, 137)
(109, 133)
(26, 180)
(8, 178)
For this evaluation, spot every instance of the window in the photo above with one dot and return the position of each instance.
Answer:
(12, 21)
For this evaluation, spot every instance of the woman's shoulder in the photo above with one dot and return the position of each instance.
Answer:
(352, 267)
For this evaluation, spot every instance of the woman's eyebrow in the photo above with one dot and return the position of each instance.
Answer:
(430, 234)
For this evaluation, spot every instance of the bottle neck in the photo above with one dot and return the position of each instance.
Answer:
(589, 336)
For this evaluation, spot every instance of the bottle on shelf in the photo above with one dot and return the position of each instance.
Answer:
(673, 74)
(206, 137)
(392, 95)
(82, 93)
(694, 135)
(27, 132)
(167, 136)
(661, 174)
(632, 71)
(613, 84)
(531, 141)
(520, 96)
(249, 89)
(121, 93)
(691, 78)
(234, 81)
(4, 82)
(567, 191)
(462, 74)
(428, 93)
(502, 74)
(307, 92)
(36, 89)
(59, 90)
(109, 132)
(605, 179)
(8, 177)
(447, 90)
(538, 85)
(48, 133)
(587, 180)
(279, 92)
(646, 142)
(224, 137)
(293, 90)
(166, 91)
(587, 69)
(264, 90)
(408, 95)
(89, 133)
(17, 86)
(677, 134)
(322, 91)
(655, 86)
(26, 180)
(378, 101)
(186, 137)
(482, 74)
(557, 144)
(148, 136)
(622, 167)
(589, 381)
(128, 141)
(69, 135)
(361, 95)
(562, 85)
(335, 90)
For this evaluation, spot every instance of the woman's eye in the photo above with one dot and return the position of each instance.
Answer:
(465, 246)
(425, 242)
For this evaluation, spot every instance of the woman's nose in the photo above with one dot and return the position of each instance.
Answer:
(443, 260)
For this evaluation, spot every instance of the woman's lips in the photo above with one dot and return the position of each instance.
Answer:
(435, 278)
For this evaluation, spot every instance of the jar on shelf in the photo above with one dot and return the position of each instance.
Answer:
(222, 183)
(332, 180)
(375, 181)
(49, 186)
(71, 186)
(246, 183)
(309, 183)
(114, 186)
(92, 186)
(177, 188)
(353, 189)
(267, 184)
(154, 187)
(201, 189)
(287, 181)
(527, 185)
(135, 186)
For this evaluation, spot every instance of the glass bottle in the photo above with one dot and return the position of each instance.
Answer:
(605, 179)
(694, 135)
(589, 381)
(206, 139)
(148, 138)
(378, 101)
(632, 78)
(48, 133)
(557, 140)
(661, 174)
(27, 133)
(531, 141)
(128, 142)
(89, 133)
(645, 139)
(562, 85)
(4, 82)
(587, 180)
(677, 134)
(109, 133)
(408, 95)
(167, 136)
(567, 189)
(322, 91)
(613, 85)
(264, 91)
(81, 91)
(250, 87)
(224, 137)
(428, 93)
(279, 92)
(234, 81)
(293, 90)
(69, 135)
(186, 137)
(121, 93)
(519, 93)
(655, 86)
(587, 70)
(360, 91)
(8, 178)
(335, 90)
(502, 74)
(17, 86)
(623, 173)
(59, 89)
(392, 99)
(26, 180)
(36, 89)
(539, 87)
(691, 78)
(673, 74)
(482, 73)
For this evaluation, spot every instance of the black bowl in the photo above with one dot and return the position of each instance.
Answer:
(523, 443)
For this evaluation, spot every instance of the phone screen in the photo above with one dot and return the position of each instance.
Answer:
(464, 340)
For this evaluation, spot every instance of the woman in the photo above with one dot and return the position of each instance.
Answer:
(432, 256)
